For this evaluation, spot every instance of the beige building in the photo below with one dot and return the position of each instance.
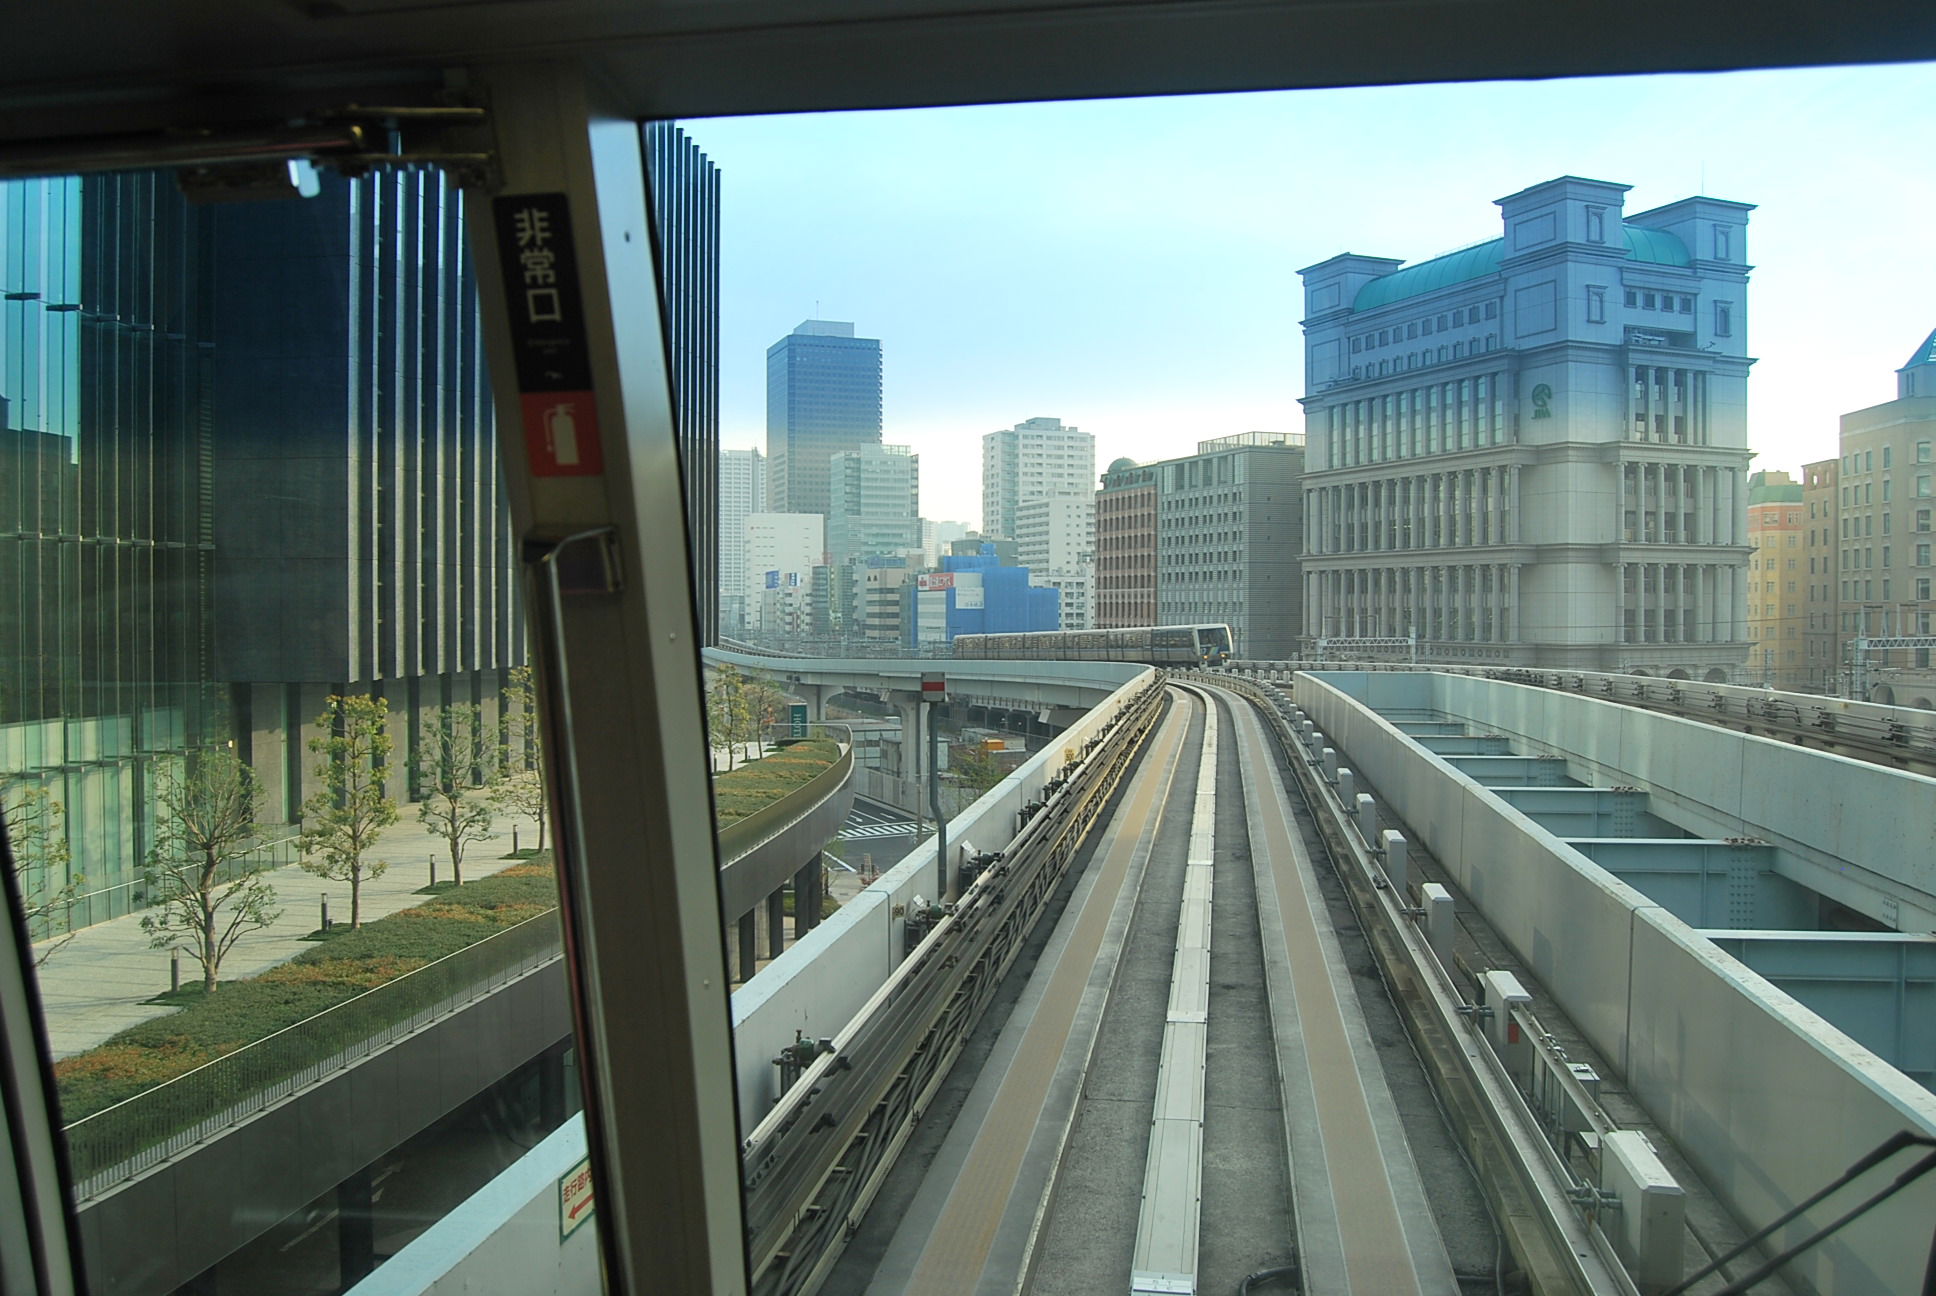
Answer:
(1821, 639)
(1885, 532)
(1777, 588)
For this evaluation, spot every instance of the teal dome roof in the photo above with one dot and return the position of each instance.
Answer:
(1925, 354)
(1121, 464)
(1654, 247)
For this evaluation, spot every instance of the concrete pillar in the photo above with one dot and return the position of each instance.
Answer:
(355, 1229)
(1397, 865)
(1328, 758)
(749, 947)
(1347, 788)
(554, 1103)
(806, 897)
(1438, 922)
(776, 924)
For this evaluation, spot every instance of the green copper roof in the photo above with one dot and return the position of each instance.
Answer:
(1654, 247)
(1780, 493)
(1925, 354)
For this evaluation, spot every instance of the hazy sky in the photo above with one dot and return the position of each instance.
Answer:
(1130, 265)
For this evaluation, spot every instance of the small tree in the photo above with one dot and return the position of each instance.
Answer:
(764, 705)
(521, 790)
(342, 821)
(205, 813)
(446, 765)
(726, 712)
(976, 769)
(39, 855)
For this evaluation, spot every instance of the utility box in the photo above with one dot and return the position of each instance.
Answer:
(1502, 993)
(1647, 1229)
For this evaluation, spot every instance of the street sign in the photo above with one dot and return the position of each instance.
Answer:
(934, 688)
(797, 716)
(574, 1199)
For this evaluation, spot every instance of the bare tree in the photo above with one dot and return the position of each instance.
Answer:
(207, 892)
(41, 861)
(449, 752)
(727, 712)
(342, 821)
(521, 791)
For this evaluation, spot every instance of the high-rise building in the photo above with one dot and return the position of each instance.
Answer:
(1055, 538)
(875, 513)
(742, 493)
(286, 500)
(1125, 590)
(1534, 450)
(874, 503)
(685, 214)
(1821, 633)
(1038, 458)
(1776, 595)
(1228, 531)
(1885, 531)
(783, 551)
(823, 396)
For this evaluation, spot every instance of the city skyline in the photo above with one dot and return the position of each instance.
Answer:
(1129, 266)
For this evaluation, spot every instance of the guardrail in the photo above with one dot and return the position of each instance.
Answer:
(119, 1142)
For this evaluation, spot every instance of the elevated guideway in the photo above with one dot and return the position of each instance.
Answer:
(1678, 890)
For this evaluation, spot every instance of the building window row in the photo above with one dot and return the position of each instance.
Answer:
(1424, 326)
(1668, 405)
(1438, 418)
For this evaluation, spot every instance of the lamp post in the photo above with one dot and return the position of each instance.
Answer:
(934, 691)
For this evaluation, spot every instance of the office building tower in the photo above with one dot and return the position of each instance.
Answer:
(823, 396)
(1776, 597)
(362, 539)
(1125, 589)
(1055, 538)
(874, 503)
(937, 539)
(742, 493)
(282, 499)
(1885, 529)
(875, 513)
(783, 552)
(1036, 459)
(685, 215)
(106, 516)
(1228, 529)
(1534, 450)
(1821, 635)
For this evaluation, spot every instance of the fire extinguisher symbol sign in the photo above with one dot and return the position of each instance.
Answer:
(561, 434)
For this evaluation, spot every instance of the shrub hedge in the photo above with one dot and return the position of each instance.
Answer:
(757, 784)
(241, 1012)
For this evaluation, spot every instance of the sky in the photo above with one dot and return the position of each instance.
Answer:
(1130, 266)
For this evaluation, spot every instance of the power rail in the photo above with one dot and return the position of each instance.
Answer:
(814, 1163)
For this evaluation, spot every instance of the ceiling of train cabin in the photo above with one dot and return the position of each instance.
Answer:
(91, 66)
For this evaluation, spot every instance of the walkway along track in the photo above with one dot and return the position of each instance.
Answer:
(813, 1163)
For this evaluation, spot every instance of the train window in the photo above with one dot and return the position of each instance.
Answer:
(269, 736)
(272, 753)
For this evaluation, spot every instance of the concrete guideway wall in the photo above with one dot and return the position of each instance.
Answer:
(819, 984)
(1766, 1098)
(1847, 828)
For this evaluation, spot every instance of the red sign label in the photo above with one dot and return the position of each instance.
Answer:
(561, 434)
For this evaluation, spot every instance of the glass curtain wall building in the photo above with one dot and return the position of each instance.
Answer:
(685, 211)
(106, 521)
(823, 396)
